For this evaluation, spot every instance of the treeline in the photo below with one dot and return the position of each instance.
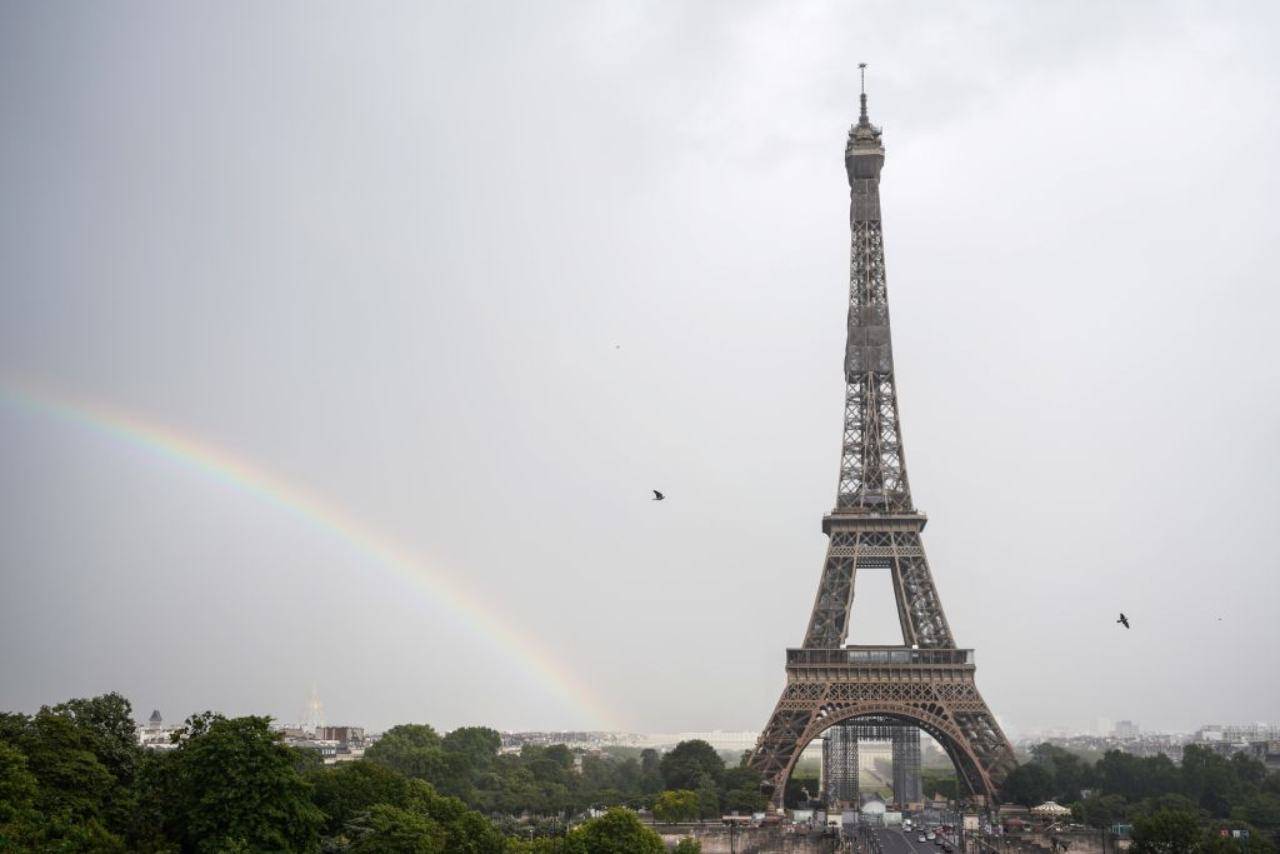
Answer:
(73, 778)
(545, 782)
(1206, 794)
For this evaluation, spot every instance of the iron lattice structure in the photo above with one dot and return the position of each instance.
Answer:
(927, 682)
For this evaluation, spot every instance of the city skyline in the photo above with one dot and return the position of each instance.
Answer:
(345, 351)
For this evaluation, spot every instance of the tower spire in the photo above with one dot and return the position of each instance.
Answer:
(862, 75)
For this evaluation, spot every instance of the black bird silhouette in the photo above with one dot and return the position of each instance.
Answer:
(658, 496)
(1124, 621)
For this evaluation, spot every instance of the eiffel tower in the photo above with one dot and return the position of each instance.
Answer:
(926, 682)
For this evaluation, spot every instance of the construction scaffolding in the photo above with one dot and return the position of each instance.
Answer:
(907, 787)
(840, 766)
(840, 760)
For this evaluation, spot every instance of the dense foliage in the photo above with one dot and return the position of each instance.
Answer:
(546, 781)
(1173, 808)
(73, 778)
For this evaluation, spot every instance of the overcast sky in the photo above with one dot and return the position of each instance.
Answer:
(482, 275)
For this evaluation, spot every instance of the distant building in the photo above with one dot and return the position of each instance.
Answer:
(1266, 752)
(513, 741)
(332, 744)
(1127, 730)
(1237, 733)
(735, 741)
(327, 750)
(154, 735)
(346, 736)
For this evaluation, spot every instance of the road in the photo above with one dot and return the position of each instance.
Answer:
(893, 841)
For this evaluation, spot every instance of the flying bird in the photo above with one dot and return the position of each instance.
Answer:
(1124, 621)
(658, 496)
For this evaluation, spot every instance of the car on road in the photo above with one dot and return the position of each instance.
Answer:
(922, 838)
(930, 836)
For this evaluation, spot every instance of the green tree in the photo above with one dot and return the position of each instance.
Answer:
(688, 845)
(618, 831)
(466, 831)
(477, 743)
(345, 791)
(1174, 802)
(1135, 777)
(414, 750)
(386, 829)
(1165, 832)
(1069, 772)
(741, 790)
(687, 761)
(1211, 780)
(19, 820)
(1103, 810)
(938, 781)
(155, 802)
(708, 797)
(74, 793)
(676, 805)
(107, 722)
(650, 771)
(105, 728)
(1029, 784)
(236, 784)
(468, 753)
(1262, 810)
(17, 785)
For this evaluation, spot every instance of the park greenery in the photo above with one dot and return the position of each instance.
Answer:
(1172, 808)
(73, 778)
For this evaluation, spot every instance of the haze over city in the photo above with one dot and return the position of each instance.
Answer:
(343, 348)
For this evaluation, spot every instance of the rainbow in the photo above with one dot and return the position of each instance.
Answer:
(246, 477)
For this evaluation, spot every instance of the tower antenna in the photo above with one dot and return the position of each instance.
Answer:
(862, 76)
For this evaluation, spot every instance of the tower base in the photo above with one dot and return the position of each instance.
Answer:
(932, 689)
